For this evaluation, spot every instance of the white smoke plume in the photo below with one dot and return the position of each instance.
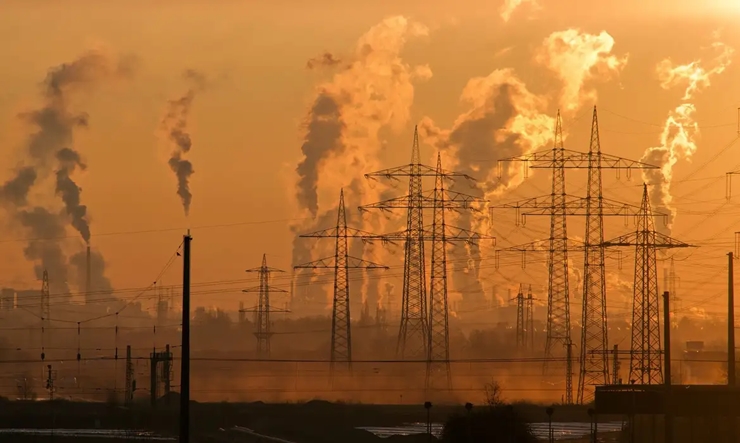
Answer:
(509, 6)
(175, 123)
(678, 140)
(576, 58)
(371, 89)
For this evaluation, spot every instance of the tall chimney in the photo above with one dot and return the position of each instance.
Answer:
(88, 286)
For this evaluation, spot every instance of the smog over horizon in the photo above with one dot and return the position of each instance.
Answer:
(479, 202)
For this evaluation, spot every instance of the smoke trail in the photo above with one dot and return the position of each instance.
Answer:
(372, 89)
(577, 57)
(680, 130)
(323, 136)
(175, 123)
(70, 192)
(509, 6)
(50, 143)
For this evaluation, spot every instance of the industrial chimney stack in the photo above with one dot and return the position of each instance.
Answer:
(88, 286)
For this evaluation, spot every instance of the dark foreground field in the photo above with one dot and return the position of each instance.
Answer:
(314, 421)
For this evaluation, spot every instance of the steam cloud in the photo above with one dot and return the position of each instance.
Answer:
(175, 123)
(509, 6)
(504, 120)
(680, 130)
(577, 57)
(51, 143)
(371, 90)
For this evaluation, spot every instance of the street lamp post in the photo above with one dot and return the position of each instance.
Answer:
(469, 407)
(592, 419)
(428, 407)
(550, 435)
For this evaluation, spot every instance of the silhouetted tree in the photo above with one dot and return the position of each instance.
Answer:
(495, 421)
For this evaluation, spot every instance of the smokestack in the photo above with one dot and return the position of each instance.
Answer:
(88, 286)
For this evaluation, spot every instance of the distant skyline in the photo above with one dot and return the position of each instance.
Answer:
(247, 128)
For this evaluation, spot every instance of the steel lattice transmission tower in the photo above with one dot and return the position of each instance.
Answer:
(520, 322)
(440, 234)
(646, 364)
(439, 331)
(594, 335)
(341, 263)
(263, 308)
(529, 321)
(413, 334)
(557, 206)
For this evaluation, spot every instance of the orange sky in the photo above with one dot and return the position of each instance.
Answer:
(246, 128)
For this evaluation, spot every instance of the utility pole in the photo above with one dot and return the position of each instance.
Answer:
(645, 361)
(185, 356)
(615, 365)
(558, 205)
(731, 373)
(413, 335)
(668, 425)
(341, 262)
(50, 382)
(130, 381)
(45, 313)
(263, 308)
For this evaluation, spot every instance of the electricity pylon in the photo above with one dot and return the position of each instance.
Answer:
(558, 205)
(672, 279)
(529, 321)
(520, 325)
(341, 262)
(646, 365)
(440, 234)
(263, 308)
(413, 335)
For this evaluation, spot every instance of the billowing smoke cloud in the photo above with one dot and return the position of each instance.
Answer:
(504, 120)
(51, 143)
(70, 192)
(15, 191)
(509, 6)
(327, 59)
(100, 286)
(324, 136)
(577, 57)
(175, 123)
(680, 130)
(43, 228)
(372, 89)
